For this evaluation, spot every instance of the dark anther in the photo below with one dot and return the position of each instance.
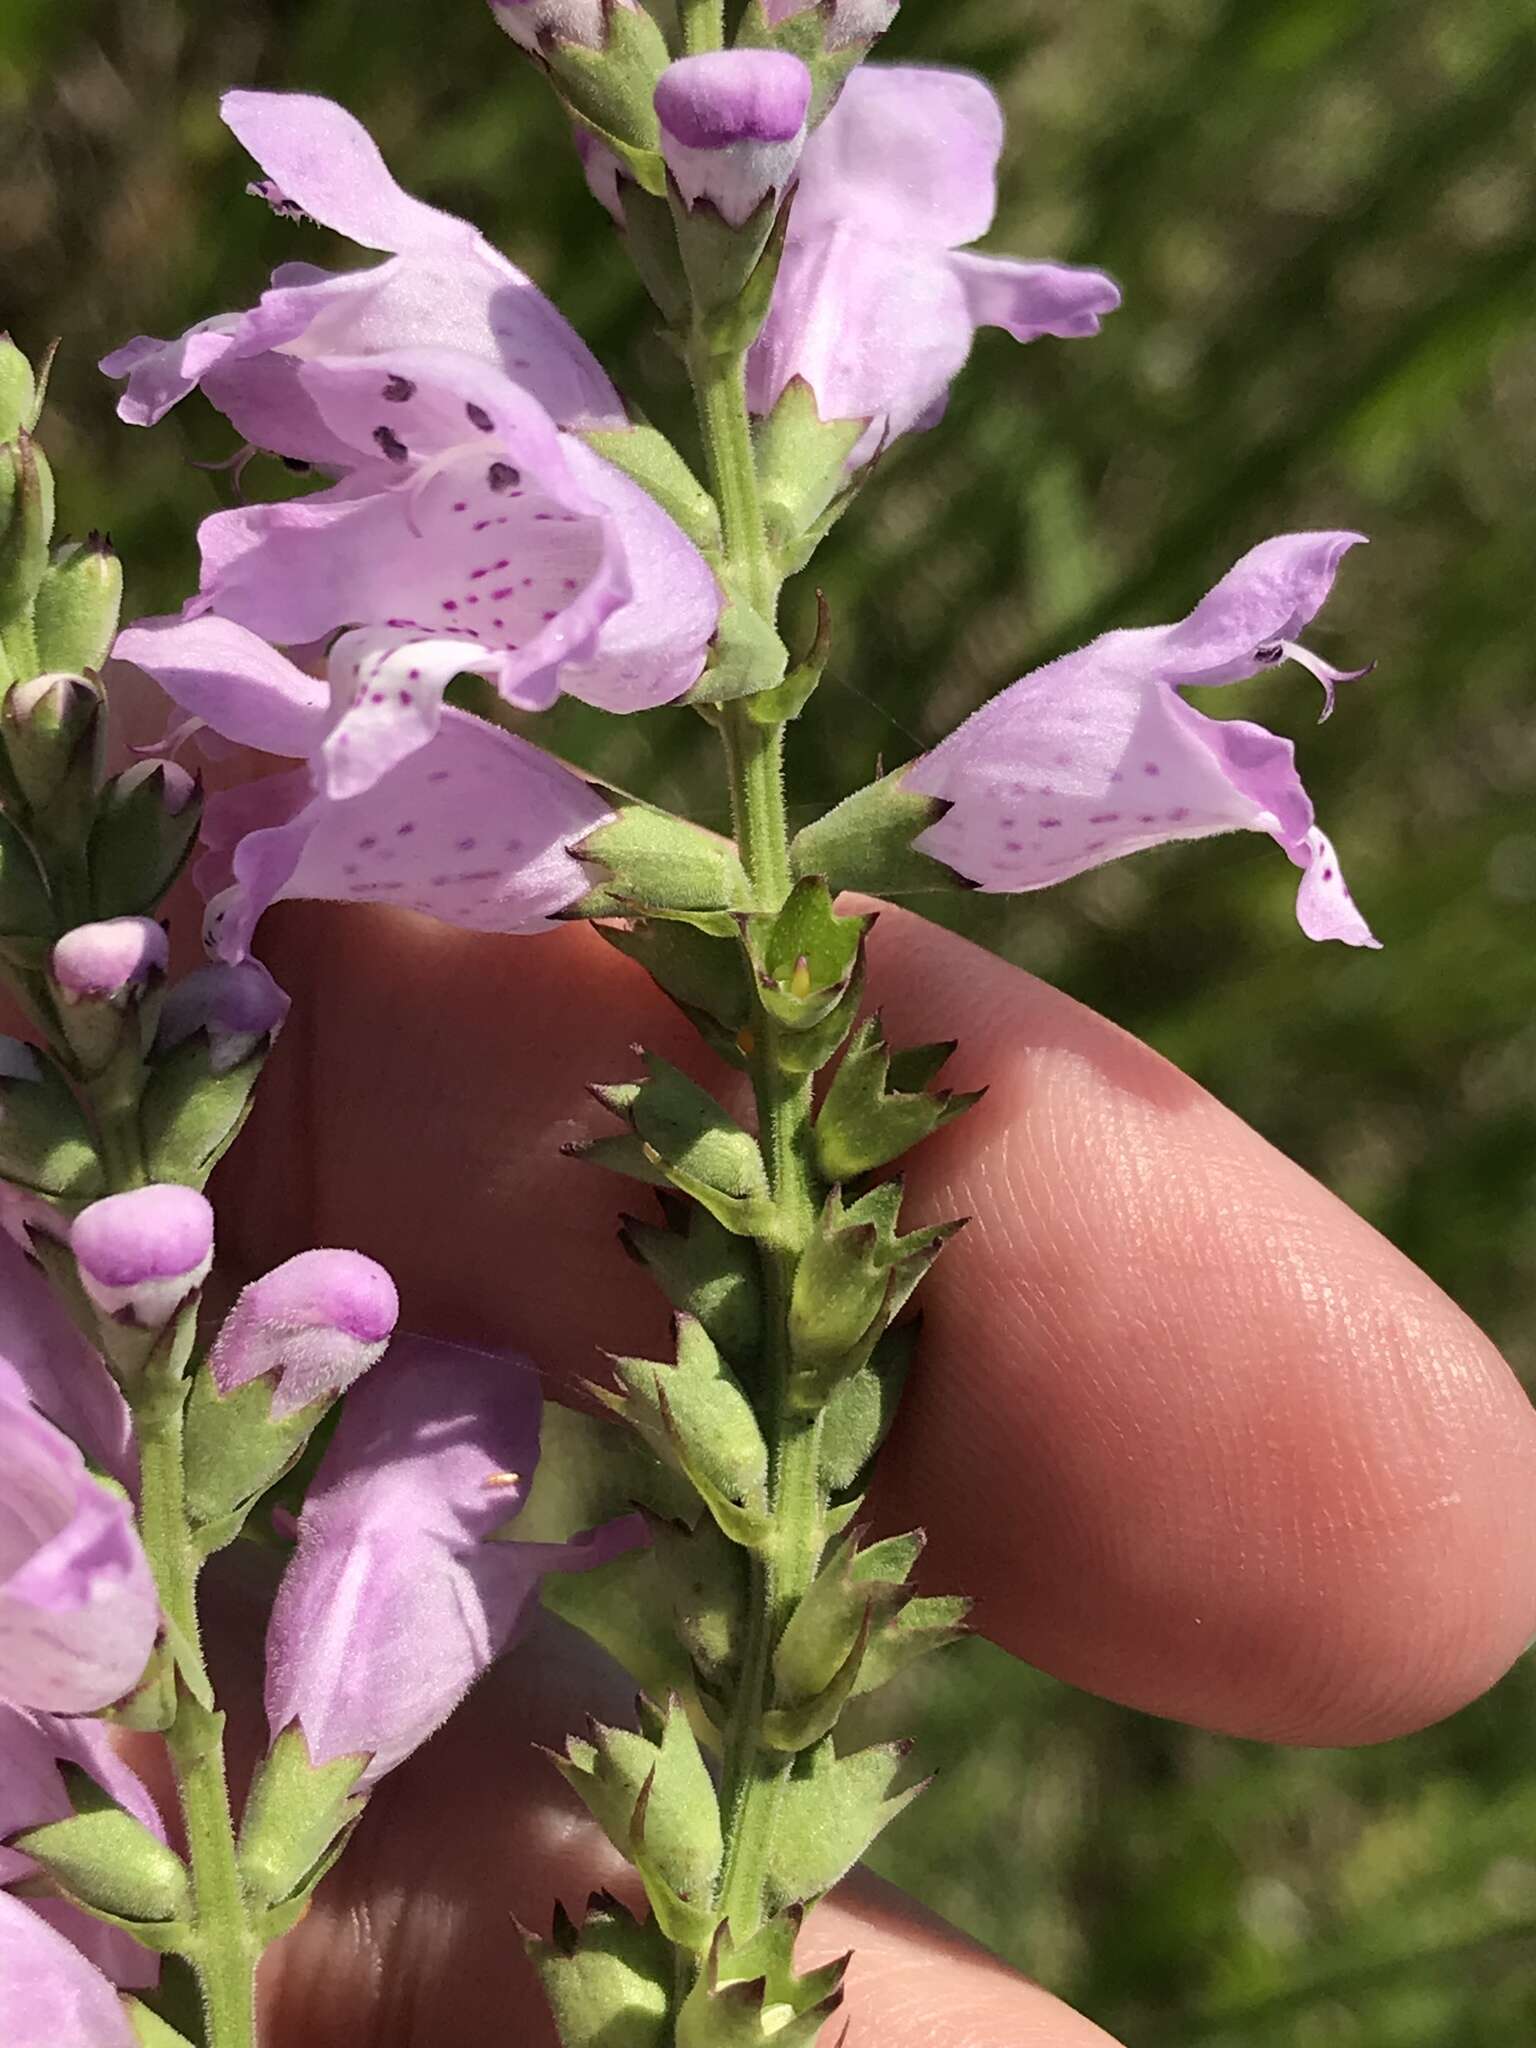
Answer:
(501, 476)
(390, 444)
(1271, 652)
(479, 417)
(398, 389)
(296, 463)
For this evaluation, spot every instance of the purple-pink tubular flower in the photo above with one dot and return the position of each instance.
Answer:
(58, 1370)
(536, 22)
(236, 1003)
(399, 801)
(733, 127)
(1097, 755)
(78, 1612)
(32, 1794)
(108, 961)
(49, 1994)
(139, 1255)
(395, 1602)
(314, 1324)
(847, 21)
(443, 285)
(878, 298)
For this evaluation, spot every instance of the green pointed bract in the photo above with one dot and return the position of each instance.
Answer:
(803, 461)
(54, 731)
(75, 612)
(863, 1123)
(191, 1112)
(18, 392)
(807, 956)
(840, 1288)
(831, 1810)
(612, 90)
(789, 698)
(701, 974)
(649, 459)
(849, 1598)
(722, 263)
(149, 2030)
(608, 1982)
(625, 1607)
(104, 1858)
(234, 1450)
(795, 1727)
(922, 1625)
(145, 828)
(865, 843)
(658, 863)
(746, 656)
(26, 529)
(706, 1272)
(860, 1408)
(650, 235)
(695, 1415)
(45, 1142)
(700, 1148)
(705, 1576)
(293, 1814)
(654, 1798)
(624, 1153)
(27, 914)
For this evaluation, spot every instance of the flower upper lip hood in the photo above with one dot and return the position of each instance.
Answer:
(443, 284)
(877, 298)
(1097, 755)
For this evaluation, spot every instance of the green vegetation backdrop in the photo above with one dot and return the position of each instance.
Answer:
(1322, 214)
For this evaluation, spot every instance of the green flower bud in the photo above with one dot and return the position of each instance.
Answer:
(18, 391)
(76, 609)
(53, 730)
(26, 527)
(145, 826)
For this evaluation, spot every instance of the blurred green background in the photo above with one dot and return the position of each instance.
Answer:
(1322, 214)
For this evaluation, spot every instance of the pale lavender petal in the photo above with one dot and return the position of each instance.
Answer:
(733, 126)
(49, 1994)
(472, 830)
(388, 689)
(141, 1254)
(59, 1371)
(602, 170)
(1029, 300)
(237, 1004)
(1324, 907)
(78, 1612)
(161, 373)
(324, 161)
(1267, 596)
(226, 676)
(654, 647)
(382, 1622)
(908, 152)
(316, 1323)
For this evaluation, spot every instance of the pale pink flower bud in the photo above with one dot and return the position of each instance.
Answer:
(108, 961)
(315, 1323)
(141, 1254)
(733, 126)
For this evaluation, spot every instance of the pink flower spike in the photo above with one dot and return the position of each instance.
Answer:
(109, 961)
(141, 1254)
(1097, 755)
(78, 1610)
(395, 1602)
(877, 300)
(315, 1324)
(733, 126)
(49, 1993)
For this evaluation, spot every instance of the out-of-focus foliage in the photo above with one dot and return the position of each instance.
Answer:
(1323, 215)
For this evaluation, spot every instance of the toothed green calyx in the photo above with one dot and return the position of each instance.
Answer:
(853, 1278)
(18, 392)
(26, 529)
(146, 823)
(651, 461)
(746, 655)
(832, 1809)
(607, 1981)
(235, 1449)
(864, 1122)
(701, 974)
(861, 1406)
(850, 1597)
(705, 1575)
(924, 1624)
(865, 843)
(803, 461)
(697, 1147)
(655, 862)
(294, 1814)
(652, 1794)
(105, 1858)
(53, 731)
(193, 1108)
(789, 698)
(807, 957)
(75, 612)
(612, 89)
(27, 916)
(695, 1416)
(149, 2029)
(704, 1271)
(45, 1142)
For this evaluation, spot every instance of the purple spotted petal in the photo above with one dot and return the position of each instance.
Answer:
(733, 126)
(78, 1612)
(874, 306)
(59, 1371)
(472, 830)
(49, 1994)
(395, 1602)
(1096, 755)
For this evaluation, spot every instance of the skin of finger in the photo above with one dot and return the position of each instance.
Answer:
(411, 1941)
(1192, 1433)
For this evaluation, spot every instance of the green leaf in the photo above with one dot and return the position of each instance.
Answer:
(106, 1859)
(293, 1814)
(831, 1810)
